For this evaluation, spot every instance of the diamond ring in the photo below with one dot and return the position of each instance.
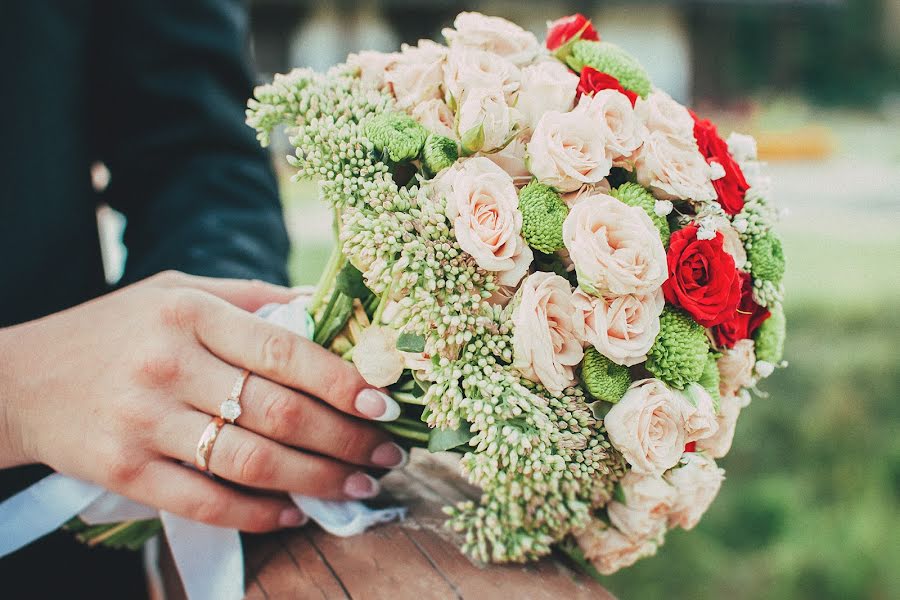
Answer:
(230, 409)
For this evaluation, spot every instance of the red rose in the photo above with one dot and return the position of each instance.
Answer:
(575, 26)
(592, 81)
(732, 187)
(747, 319)
(702, 277)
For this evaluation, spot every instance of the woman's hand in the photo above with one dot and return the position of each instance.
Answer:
(118, 391)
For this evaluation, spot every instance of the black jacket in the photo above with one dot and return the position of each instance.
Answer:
(154, 89)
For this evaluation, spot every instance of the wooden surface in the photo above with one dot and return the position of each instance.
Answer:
(416, 559)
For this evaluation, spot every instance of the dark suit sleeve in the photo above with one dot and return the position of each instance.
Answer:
(169, 85)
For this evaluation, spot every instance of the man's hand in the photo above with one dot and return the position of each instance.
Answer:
(118, 391)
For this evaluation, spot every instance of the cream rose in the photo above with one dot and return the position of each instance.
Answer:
(699, 413)
(648, 500)
(372, 66)
(492, 34)
(417, 74)
(467, 69)
(647, 427)
(624, 131)
(483, 206)
(673, 169)
(697, 483)
(545, 347)
(622, 328)
(376, 356)
(547, 85)
(484, 110)
(512, 160)
(659, 112)
(567, 151)
(585, 192)
(719, 443)
(435, 116)
(736, 368)
(615, 247)
(731, 241)
(609, 549)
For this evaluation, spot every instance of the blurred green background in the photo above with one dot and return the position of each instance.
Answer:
(810, 508)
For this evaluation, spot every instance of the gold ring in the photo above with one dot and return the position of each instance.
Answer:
(230, 409)
(207, 440)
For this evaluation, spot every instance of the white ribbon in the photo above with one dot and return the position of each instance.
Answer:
(210, 560)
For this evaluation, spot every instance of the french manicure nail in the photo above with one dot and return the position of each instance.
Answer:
(390, 456)
(360, 485)
(377, 405)
(291, 517)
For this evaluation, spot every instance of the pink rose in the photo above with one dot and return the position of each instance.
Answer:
(417, 74)
(484, 110)
(648, 500)
(647, 427)
(492, 34)
(609, 549)
(615, 247)
(435, 116)
(568, 150)
(586, 192)
(547, 85)
(660, 113)
(736, 367)
(622, 328)
(624, 131)
(372, 66)
(467, 69)
(699, 413)
(545, 347)
(718, 444)
(512, 160)
(673, 169)
(697, 482)
(483, 206)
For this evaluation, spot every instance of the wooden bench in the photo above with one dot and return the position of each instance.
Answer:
(416, 559)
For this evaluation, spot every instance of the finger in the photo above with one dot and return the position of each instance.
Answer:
(249, 459)
(287, 358)
(247, 294)
(187, 493)
(294, 418)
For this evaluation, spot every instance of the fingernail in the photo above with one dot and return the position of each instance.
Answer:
(360, 485)
(390, 456)
(377, 405)
(292, 517)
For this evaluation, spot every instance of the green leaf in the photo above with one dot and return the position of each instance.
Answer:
(440, 440)
(410, 342)
(473, 140)
(619, 494)
(350, 282)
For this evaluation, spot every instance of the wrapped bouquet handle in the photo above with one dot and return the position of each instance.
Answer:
(209, 559)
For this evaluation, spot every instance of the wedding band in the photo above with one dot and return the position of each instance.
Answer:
(230, 409)
(207, 440)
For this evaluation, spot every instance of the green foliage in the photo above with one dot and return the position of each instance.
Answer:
(609, 58)
(766, 258)
(543, 213)
(438, 153)
(678, 356)
(410, 342)
(709, 379)
(633, 194)
(770, 337)
(604, 379)
(397, 136)
(441, 440)
(350, 282)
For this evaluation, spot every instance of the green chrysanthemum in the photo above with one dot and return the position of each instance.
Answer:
(438, 153)
(678, 356)
(633, 194)
(604, 379)
(397, 136)
(766, 258)
(609, 58)
(770, 337)
(709, 379)
(543, 213)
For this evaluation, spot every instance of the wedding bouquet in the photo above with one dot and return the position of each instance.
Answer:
(558, 271)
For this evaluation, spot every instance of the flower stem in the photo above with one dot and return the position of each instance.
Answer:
(335, 264)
